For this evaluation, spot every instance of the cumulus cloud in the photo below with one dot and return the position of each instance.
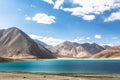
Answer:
(77, 11)
(97, 36)
(95, 7)
(114, 16)
(87, 9)
(78, 40)
(49, 1)
(48, 40)
(88, 17)
(58, 4)
(82, 39)
(55, 41)
(42, 18)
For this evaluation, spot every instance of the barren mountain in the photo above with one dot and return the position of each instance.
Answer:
(71, 49)
(14, 43)
(92, 48)
(113, 52)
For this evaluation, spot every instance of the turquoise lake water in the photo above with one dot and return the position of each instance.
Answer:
(64, 66)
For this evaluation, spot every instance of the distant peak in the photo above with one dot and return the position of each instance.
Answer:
(86, 43)
(94, 44)
(67, 42)
(13, 28)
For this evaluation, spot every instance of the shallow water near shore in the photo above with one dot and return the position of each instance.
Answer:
(63, 66)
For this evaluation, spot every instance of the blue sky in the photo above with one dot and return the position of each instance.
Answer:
(55, 21)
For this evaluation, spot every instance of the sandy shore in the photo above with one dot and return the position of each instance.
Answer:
(59, 58)
(44, 76)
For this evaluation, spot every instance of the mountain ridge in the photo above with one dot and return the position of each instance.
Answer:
(15, 43)
(113, 52)
(72, 49)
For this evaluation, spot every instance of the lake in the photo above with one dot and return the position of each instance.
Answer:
(64, 66)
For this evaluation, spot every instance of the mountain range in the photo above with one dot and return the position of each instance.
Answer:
(72, 49)
(14, 43)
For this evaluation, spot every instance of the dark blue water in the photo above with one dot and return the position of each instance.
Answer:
(64, 66)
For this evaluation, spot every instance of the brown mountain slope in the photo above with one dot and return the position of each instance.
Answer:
(71, 49)
(16, 44)
(113, 52)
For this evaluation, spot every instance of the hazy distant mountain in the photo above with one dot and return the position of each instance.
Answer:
(15, 43)
(42, 43)
(113, 52)
(106, 46)
(92, 48)
(71, 49)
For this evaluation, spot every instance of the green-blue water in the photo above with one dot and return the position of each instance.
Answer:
(64, 66)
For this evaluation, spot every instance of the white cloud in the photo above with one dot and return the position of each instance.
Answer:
(58, 4)
(107, 45)
(82, 39)
(42, 18)
(78, 40)
(110, 44)
(98, 36)
(114, 16)
(28, 18)
(49, 1)
(77, 12)
(55, 41)
(87, 9)
(88, 17)
(48, 40)
(94, 7)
